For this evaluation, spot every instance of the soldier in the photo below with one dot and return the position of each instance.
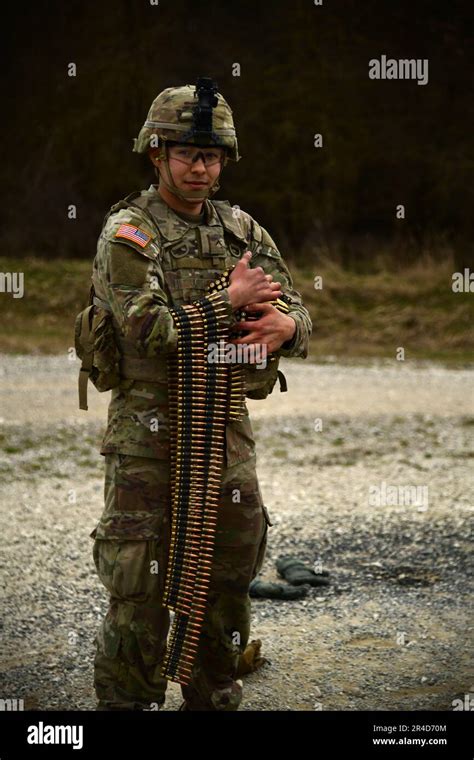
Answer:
(159, 247)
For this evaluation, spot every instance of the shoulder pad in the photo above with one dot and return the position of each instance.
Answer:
(234, 219)
(261, 236)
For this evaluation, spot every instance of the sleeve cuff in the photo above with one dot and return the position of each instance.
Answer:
(224, 312)
(287, 347)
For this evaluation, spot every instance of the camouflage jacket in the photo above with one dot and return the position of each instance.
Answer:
(171, 262)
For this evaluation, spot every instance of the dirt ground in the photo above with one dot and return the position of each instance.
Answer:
(392, 631)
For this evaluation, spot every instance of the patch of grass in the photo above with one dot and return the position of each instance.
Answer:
(50, 450)
(32, 466)
(17, 448)
(355, 315)
(87, 462)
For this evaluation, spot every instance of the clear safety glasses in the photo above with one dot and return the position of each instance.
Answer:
(188, 155)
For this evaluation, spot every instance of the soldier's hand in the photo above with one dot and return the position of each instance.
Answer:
(251, 285)
(272, 329)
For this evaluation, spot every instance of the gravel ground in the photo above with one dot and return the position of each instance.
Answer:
(393, 630)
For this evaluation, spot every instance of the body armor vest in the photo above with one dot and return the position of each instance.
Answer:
(191, 257)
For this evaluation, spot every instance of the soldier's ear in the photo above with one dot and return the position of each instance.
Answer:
(154, 154)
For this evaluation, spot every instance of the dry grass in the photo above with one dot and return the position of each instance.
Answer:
(360, 314)
(355, 315)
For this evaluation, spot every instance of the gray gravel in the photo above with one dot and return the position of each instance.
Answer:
(393, 631)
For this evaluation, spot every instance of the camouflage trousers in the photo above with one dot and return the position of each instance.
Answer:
(131, 539)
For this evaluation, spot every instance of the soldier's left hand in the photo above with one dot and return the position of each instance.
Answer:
(273, 328)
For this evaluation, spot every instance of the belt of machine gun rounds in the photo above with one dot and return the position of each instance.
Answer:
(203, 398)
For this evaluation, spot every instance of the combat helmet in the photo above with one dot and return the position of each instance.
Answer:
(198, 115)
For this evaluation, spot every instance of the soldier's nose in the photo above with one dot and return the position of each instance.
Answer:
(199, 165)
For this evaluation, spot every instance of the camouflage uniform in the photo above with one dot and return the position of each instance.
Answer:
(139, 282)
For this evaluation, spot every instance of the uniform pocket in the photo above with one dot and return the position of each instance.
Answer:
(137, 499)
(129, 570)
(133, 573)
(240, 443)
(105, 555)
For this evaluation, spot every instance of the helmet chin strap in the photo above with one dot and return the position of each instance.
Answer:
(195, 195)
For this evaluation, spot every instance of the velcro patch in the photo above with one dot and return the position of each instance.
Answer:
(130, 232)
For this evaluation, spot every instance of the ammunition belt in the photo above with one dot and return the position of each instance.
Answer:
(203, 397)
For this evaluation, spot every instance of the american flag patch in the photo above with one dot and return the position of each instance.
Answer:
(133, 233)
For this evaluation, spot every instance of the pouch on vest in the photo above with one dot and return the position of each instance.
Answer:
(95, 344)
(259, 383)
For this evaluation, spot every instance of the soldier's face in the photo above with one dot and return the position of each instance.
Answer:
(189, 176)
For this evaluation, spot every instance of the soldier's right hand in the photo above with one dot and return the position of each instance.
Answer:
(251, 285)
